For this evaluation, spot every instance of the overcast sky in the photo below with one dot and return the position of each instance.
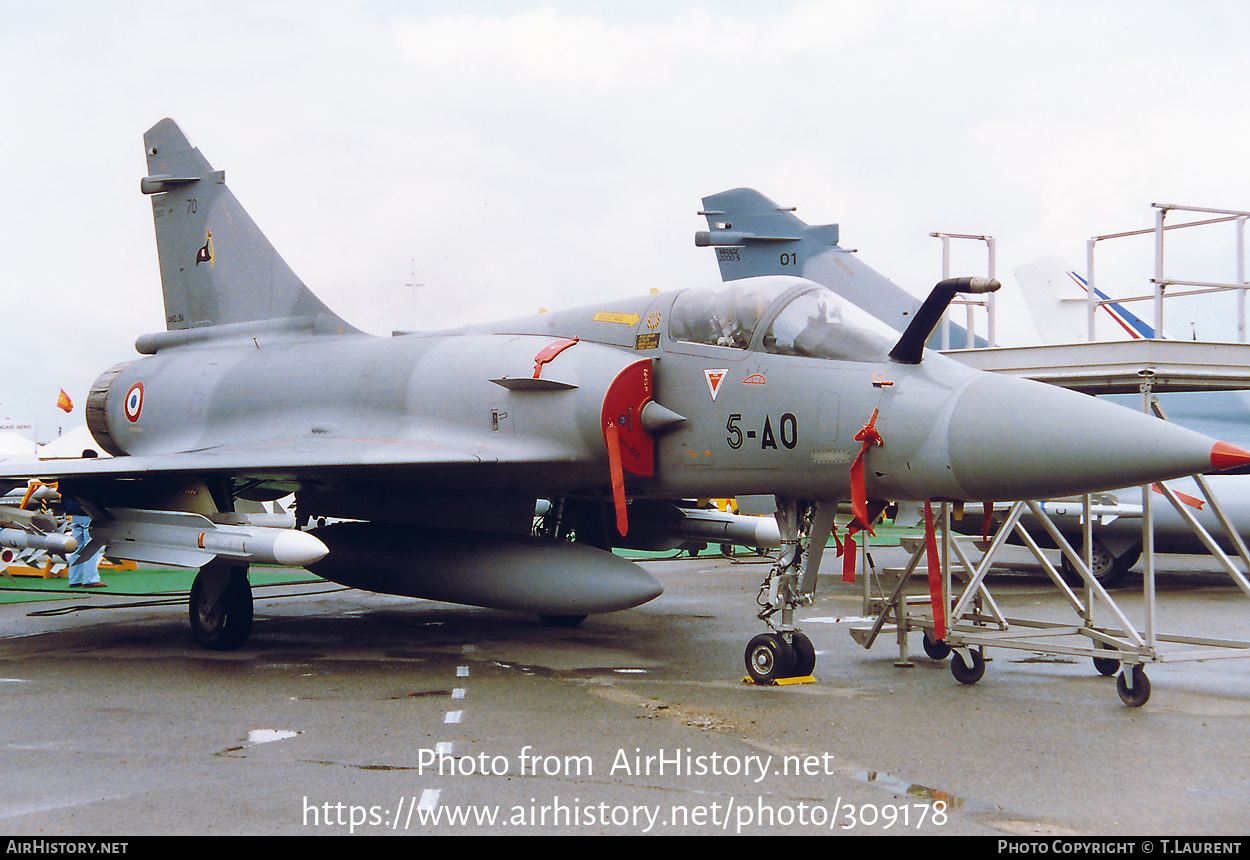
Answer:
(511, 156)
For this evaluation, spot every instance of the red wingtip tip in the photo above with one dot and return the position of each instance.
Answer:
(1225, 456)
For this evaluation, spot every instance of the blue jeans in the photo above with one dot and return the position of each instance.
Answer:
(82, 570)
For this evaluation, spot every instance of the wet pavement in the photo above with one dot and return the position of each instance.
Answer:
(348, 712)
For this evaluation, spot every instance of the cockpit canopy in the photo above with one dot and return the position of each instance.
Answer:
(783, 316)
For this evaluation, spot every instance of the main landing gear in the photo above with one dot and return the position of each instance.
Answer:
(785, 652)
(220, 608)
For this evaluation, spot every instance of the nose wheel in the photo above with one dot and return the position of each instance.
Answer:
(804, 656)
(770, 658)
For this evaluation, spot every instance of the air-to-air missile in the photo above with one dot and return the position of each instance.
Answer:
(32, 529)
(187, 539)
(55, 543)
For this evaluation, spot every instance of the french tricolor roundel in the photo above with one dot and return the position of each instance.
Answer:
(134, 402)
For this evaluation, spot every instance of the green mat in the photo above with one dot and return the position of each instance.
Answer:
(141, 582)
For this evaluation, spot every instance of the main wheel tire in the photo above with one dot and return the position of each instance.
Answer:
(562, 620)
(768, 658)
(224, 624)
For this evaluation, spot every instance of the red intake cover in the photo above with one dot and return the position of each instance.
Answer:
(622, 406)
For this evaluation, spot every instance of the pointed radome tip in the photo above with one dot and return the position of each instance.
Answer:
(1225, 456)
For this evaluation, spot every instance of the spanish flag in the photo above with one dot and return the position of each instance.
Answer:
(63, 402)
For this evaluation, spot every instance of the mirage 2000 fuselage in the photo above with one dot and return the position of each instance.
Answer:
(746, 414)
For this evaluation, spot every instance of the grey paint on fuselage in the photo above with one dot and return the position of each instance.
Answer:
(432, 395)
(1172, 533)
(1221, 414)
(769, 239)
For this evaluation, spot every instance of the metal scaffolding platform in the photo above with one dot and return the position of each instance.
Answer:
(1147, 367)
(1100, 629)
(1122, 368)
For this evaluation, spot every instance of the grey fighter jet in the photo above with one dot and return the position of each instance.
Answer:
(437, 445)
(753, 236)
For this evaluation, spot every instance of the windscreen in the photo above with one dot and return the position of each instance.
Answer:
(818, 324)
(725, 317)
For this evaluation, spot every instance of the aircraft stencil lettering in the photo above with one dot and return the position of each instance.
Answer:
(439, 445)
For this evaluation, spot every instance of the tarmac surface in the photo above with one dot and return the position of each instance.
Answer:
(341, 710)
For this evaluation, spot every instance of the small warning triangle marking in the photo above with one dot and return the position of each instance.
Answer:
(714, 379)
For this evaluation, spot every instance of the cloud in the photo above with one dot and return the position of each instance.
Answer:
(509, 157)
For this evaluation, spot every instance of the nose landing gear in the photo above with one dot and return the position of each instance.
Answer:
(785, 652)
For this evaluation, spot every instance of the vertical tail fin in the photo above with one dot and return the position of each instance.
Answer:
(754, 236)
(1133, 326)
(1057, 299)
(217, 267)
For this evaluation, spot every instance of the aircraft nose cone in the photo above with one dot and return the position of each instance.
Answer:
(1225, 456)
(1018, 439)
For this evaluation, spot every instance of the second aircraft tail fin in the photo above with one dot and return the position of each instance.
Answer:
(1057, 297)
(754, 236)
